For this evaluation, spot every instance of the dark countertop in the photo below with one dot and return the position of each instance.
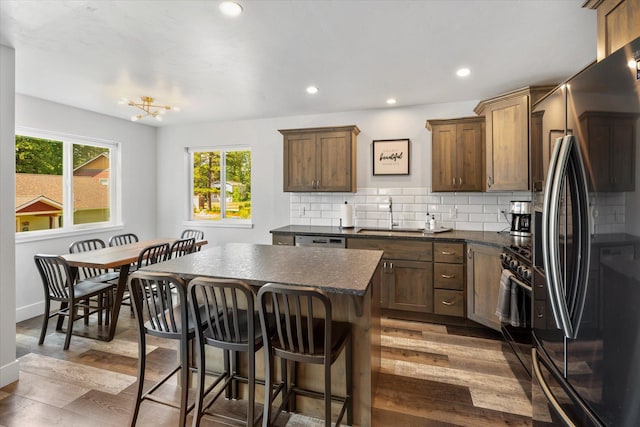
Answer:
(338, 271)
(482, 237)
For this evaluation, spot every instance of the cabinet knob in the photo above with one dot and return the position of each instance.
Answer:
(489, 180)
(460, 180)
(453, 181)
(447, 253)
(469, 253)
(447, 276)
(449, 303)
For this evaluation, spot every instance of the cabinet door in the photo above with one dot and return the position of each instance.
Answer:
(469, 170)
(333, 164)
(443, 153)
(617, 24)
(282, 239)
(483, 284)
(623, 154)
(409, 285)
(507, 142)
(299, 162)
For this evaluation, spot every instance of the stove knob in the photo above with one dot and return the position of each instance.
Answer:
(503, 257)
(514, 263)
(526, 273)
(520, 270)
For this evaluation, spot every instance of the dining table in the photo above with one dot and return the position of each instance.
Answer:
(114, 257)
(350, 277)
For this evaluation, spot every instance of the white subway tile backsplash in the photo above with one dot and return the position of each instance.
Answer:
(471, 211)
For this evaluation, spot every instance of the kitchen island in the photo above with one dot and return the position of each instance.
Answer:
(351, 278)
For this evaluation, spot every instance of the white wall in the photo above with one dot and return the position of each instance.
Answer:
(8, 362)
(138, 166)
(271, 206)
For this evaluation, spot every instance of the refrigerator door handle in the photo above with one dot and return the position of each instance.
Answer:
(582, 244)
(546, 238)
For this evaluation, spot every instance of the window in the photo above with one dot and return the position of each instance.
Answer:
(221, 185)
(63, 182)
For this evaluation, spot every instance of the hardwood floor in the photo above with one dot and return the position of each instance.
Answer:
(432, 375)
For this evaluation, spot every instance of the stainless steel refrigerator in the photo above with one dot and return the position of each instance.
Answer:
(586, 314)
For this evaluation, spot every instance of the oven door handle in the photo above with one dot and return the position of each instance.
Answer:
(521, 284)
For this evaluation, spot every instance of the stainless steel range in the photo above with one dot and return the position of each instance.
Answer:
(514, 304)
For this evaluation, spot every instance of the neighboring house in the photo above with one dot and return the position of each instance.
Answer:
(39, 197)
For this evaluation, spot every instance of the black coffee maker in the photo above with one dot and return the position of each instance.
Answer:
(520, 218)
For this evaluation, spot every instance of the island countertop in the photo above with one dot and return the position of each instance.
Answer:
(338, 271)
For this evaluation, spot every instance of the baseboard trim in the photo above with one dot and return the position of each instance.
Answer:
(9, 373)
(29, 311)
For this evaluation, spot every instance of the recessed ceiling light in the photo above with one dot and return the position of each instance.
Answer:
(463, 72)
(230, 8)
(312, 89)
(391, 101)
(633, 64)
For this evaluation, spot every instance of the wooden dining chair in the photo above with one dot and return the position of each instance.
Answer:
(123, 239)
(161, 310)
(96, 274)
(182, 247)
(305, 333)
(60, 284)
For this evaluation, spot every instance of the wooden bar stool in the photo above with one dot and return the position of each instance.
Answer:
(305, 333)
(224, 309)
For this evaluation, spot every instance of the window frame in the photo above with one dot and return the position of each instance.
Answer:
(222, 222)
(115, 194)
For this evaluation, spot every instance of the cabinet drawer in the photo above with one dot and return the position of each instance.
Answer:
(450, 303)
(396, 249)
(448, 276)
(448, 252)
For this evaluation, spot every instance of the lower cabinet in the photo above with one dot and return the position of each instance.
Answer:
(448, 278)
(408, 284)
(407, 272)
(282, 239)
(483, 284)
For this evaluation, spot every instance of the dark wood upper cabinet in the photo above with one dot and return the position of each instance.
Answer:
(457, 154)
(617, 24)
(320, 159)
(507, 138)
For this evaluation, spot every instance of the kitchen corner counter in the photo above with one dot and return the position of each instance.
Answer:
(492, 238)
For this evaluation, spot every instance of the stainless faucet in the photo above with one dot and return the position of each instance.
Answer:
(391, 223)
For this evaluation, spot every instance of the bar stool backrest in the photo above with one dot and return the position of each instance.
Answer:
(302, 317)
(159, 303)
(225, 309)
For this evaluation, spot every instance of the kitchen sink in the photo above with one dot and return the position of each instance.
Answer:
(395, 231)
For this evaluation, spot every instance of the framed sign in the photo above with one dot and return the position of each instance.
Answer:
(391, 157)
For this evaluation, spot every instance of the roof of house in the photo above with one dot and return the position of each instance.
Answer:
(88, 191)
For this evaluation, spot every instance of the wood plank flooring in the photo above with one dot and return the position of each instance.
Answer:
(432, 375)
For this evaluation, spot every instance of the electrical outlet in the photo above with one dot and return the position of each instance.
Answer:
(453, 212)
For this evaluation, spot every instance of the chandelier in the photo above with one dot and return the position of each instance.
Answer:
(148, 108)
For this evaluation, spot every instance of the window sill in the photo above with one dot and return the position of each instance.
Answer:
(218, 224)
(34, 236)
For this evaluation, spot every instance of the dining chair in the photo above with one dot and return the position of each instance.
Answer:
(153, 254)
(305, 333)
(96, 274)
(123, 239)
(182, 247)
(225, 318)
(196, 234)
(161, 310)
(60, 284)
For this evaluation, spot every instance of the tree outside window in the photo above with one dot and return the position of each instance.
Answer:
(221, 185)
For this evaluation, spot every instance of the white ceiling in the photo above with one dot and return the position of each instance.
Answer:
(89, 54)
